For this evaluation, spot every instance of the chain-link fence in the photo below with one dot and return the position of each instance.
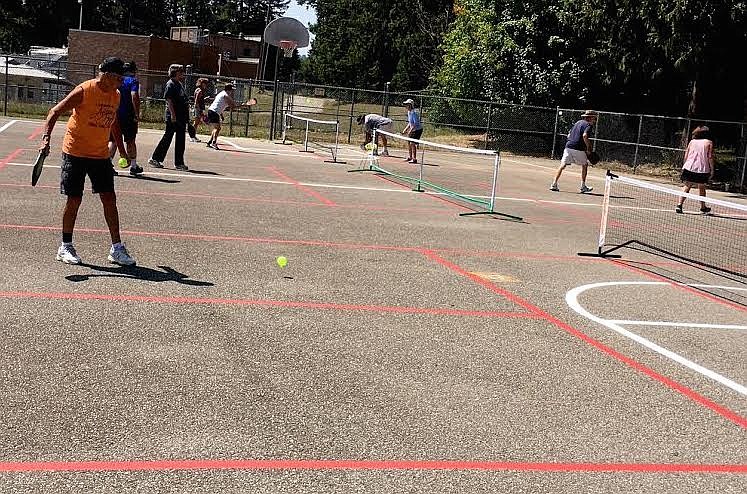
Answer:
(637, 142)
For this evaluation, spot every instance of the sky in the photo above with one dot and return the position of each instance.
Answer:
(304, 14)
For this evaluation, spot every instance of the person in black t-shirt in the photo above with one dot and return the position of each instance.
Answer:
(577, 149)
(177, 116)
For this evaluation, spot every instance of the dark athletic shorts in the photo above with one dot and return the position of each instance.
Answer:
(695, 178)
(75, 169)
(213, 117)
(415, 134)
(128, 125)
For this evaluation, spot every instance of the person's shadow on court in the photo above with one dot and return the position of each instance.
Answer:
(137, 273)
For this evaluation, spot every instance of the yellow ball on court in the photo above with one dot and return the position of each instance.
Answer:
(282, 261)
(123, 163)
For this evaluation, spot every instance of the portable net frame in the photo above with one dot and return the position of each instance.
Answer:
(642, 216)
(467, 176)
(313, 137)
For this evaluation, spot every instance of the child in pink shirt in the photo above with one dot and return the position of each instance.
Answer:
(698, 167)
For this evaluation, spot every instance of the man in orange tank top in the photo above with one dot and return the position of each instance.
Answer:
(85, 151)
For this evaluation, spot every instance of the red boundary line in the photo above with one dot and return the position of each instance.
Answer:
(121, 191)
(10, 157)
(684, 390)
(35, 133)
(685, 288)
(306, 190)
(267, 303)
(365, 465)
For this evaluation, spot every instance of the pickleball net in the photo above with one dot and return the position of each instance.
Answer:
(467, 176)
(709, 232)
(313, 134)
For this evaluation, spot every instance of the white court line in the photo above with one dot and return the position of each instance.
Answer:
(675, 324)
(571, 298)
(7, 125)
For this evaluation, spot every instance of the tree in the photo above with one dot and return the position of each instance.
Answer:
(366, 44)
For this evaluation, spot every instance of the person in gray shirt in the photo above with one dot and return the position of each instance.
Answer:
(373, 121)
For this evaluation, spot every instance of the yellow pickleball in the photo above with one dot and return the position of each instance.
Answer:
(282, 261)
(123, 163)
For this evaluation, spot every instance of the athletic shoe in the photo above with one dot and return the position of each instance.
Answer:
(119, 255)
(705, 210)
(554, 188)
(136, 170)
(584, 189)
(413, 161)
(215, 146)
(194, 139)
(115, 172)
(182, 167)
(678, 209)
(155, 164)
(66, 253)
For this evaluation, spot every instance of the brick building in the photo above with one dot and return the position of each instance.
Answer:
(153, 55)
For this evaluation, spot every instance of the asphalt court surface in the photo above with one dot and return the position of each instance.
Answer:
(403, 349)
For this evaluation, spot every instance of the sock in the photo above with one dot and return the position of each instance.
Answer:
(133, 162)
(118, 245)
(67, 238)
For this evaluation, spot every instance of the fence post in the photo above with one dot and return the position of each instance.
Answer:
(490, 122)
(555, 132)
(5, 105)
(637, 143)
(352, 113)
(246, 125)
(744, 160)
(274, 109)
(385, 103)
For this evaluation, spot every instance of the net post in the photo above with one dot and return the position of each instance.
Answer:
(603, 223)
(496, 166)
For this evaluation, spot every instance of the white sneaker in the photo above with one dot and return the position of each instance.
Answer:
(155, 164)
(554, 188)
(66, 253)
(584, 189)
(119, 255)
(194, 139)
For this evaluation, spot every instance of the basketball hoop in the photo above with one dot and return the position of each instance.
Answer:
(288, 47)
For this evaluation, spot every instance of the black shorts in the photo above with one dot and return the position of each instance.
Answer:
(75, 169)
(213, 117)
(415, 134)
(128, 126)
(694, 178)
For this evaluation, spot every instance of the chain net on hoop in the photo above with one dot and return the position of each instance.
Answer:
(288, 47)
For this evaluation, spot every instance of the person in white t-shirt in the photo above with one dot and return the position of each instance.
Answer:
(224, 100)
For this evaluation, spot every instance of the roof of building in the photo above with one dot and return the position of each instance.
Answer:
(23, 70)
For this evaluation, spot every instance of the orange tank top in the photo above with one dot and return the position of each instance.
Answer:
(87, 134)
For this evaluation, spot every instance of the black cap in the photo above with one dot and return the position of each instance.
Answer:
(130, 67)
(228, 87)
(113, 65)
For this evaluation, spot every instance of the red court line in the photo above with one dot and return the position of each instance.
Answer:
(266, 303)
(684, 390)
(688, 289)
(306, 190)
(10, 157)
(364, 465)
(121, 191)
(36, 133)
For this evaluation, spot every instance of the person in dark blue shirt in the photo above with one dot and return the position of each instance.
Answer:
(577, 149)
(128, 115)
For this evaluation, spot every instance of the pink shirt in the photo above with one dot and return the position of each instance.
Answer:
(697, 157)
